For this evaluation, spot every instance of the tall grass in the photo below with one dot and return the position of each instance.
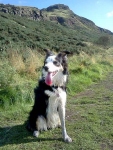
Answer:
(27, 62)
(19, 73)
(18, 76)
(85, 70)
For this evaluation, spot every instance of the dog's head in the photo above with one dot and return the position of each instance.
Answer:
(55, 68)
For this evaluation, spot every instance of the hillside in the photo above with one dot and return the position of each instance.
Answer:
(62, 14)
(58, 13)
(55, 27)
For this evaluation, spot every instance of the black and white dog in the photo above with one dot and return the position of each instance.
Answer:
(50, 96)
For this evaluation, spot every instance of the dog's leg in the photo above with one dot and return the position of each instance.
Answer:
(41, 126)
(61, 110)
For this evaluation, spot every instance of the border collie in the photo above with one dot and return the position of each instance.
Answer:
(50, 96)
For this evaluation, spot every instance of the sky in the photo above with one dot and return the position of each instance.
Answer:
(98, 11)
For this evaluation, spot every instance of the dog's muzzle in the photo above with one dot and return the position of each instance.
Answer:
(50, 75)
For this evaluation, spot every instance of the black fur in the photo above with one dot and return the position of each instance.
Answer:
(40, 105)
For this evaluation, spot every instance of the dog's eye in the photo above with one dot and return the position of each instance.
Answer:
(56, 63)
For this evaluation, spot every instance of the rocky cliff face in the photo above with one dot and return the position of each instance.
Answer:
(29, 12)
(59, 13)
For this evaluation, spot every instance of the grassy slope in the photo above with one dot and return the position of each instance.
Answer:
(19, 32)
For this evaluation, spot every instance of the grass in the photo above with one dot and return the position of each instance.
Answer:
(89, 113)
(18, 73)
(89, 122)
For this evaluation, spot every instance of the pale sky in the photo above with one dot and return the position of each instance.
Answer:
(98, 11)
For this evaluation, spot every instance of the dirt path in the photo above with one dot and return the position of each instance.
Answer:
(102, 90)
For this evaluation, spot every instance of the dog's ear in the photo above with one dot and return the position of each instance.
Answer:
(48, 52)
(67, 53)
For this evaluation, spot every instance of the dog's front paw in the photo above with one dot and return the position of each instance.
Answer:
(50, 94)
(67, 139)
(36, 133)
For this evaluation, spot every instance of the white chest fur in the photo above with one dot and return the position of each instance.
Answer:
(56, 99)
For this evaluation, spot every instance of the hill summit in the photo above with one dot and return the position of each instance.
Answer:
(57, 6)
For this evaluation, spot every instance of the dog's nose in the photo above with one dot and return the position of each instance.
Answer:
(46, 68)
